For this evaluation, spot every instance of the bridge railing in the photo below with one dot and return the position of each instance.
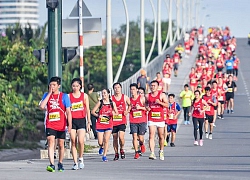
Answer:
(152, 68)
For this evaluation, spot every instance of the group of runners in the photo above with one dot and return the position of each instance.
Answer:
(211, 92)
(212, 82)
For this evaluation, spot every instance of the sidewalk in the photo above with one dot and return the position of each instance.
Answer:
(175, 87)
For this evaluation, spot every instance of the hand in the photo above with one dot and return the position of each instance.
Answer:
(148, 108)
(51, 90)
(88, 127)
(138, 107)
(126, 113)
(69, 129)
(158, 101)
(189, 114)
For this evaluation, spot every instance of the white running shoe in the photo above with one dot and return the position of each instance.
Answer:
(196, 143)
(206, 135)
(161, 155)
(75, 167)
(210, 136)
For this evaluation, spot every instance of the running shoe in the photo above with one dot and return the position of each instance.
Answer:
(206, 135)
(81, 164)
(172, 144)
(116, 157)
(100, 151)
(51, 168)
(196, 143)
(122, 153)
(201, 142)
(139, 151)
(214, 125)
(221, 116)
(60, 167)
(228, 111)
(137, 156)
(185, 122)
(165, 143)
(188, 122)
(232, 111)
(143, 148)
(167, 139)
(104, 159)
(152, 156)
(161, 155)
(210, 136)
(75, 167)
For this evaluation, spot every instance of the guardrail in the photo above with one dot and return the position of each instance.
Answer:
(152, 68)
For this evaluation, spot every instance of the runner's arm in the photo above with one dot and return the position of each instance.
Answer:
(93, 112)
(86, 102)
(127, 100)
(69, 117)
(115, 111)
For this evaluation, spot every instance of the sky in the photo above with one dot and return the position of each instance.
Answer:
(232, 13)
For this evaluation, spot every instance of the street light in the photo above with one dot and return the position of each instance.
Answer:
(52, 4)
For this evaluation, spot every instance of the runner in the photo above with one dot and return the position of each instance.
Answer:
(160, 81)
(209, 111)
(173, 113)
(104, 125)
(166, 71)
(156, 101)
(222, 87)
(229, 65)
(138, 120)
(230, 94)
(197, 112)
(193, 79)
(186, 95)
(119, 121)
(215, 95)
(235, 66)
(177, 60)
(57, 105)
(79, 110)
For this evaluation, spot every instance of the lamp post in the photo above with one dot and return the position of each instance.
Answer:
(54, 37)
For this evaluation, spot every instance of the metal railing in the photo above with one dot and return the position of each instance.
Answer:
(152, 68)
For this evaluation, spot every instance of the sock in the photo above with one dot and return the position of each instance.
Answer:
(81, 159)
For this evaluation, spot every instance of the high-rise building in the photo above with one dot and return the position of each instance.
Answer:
(18, 11)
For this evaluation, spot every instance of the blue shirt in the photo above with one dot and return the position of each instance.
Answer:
(229, 64)
(65, 99)
(178, 108)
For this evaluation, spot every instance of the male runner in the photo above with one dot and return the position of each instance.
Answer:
(156, 100)
(119, 121)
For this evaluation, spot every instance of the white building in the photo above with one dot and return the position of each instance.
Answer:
(18, 11)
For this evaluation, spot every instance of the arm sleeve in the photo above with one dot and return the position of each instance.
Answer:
(66, 101)
(178, 107)
(44, 96)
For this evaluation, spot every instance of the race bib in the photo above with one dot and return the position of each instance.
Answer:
(207, 108)
(117, 117)
(104, 120)
(220, 98)
(54, 116)
(137, 114)
(230, 90)
(229, 64)
(77, 106)
(219, 64)
(193, 80)
(171, 116)
(156, 115)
